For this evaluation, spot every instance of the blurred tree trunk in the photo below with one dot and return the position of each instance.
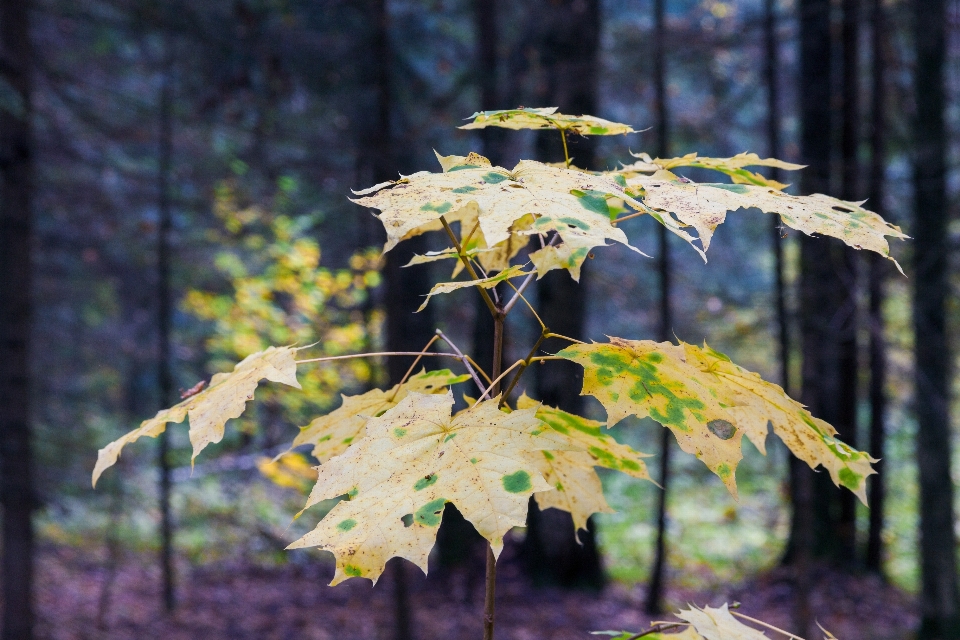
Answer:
(657, 586)
(406, 330)
(938, 549)
(846, 530)
(16, 192)
(772, 71)
(817, 308)
(164, 318)
(567, 39)
(877, 270)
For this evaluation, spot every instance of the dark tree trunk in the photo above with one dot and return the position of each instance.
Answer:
(406, 329)
(164, 318)
(816, 312)
(16, 186)
(567, 38)
(773, 147)
(877, 272)
(939, 596)
(846, 530)
(654, 603)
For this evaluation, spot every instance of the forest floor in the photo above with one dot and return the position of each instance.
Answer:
(240, 601)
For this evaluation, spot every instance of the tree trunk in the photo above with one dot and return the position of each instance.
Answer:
(815, 116)
(939, 596)
(567, 38)
(164, 313)
(846, 529)
(877, 272)
(773, 147)
(657, 587)
(16, 186)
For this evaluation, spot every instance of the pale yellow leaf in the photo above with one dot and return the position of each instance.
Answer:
(455, 163)
(544, 118)
(567, 255)
(515, 271)
(719, 624)
(331, 434)
(209, 410)
(412, 461)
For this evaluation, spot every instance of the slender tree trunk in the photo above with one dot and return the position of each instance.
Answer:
(815, 116)
(938, 547)
(567, 38)
(406, 329)
(657, 588)
(16, 191)
(850, 161)
(164, 312)
(877, 266)
(773, 146)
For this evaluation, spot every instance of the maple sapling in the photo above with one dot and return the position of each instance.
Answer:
(395, 457)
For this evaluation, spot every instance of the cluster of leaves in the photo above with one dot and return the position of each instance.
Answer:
(396, 457)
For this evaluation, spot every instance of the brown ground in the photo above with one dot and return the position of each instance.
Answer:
(239, 602)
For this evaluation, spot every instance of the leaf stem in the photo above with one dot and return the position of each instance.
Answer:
(526, 363)
(463, 358)
(658, 628)
(469, 267)
(526, 282)
(378, 354)
(490, 595)
(497, 380)
(410, 370)
(562, 337)
(768, 626)
(566, 153)
(636, 214)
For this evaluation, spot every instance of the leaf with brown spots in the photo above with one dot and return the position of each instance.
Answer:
(412, 461)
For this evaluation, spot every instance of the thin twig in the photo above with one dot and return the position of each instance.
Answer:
(463, 358)
(768, 626)
(377, 354)
(627, 217)
(658, 628)
(526, 363)
(498, 379)
(562, 337)
(469, 267)
(410, 370)
(519, 294)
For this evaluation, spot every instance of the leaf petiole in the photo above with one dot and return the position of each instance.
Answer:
(469, 267)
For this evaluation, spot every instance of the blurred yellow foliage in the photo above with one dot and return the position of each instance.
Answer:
(274, 291)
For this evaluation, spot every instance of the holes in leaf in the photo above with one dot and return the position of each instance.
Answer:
(843, 209)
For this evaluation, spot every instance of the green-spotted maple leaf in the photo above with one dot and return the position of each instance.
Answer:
(753, 402)
(546, 118)
(704, 207)
(414, 459)
(572, 203)
(332, 433)
(209, 410)
(710, 403)
(734, 167)
(646, 378)
(576, 486)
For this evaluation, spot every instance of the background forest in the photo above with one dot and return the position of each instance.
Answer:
(173, 197)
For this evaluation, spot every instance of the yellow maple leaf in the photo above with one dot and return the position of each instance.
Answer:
(332, 433)
(546, 118)
(209, 410)
(576, 486)
(718, 624)
(412, 461)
